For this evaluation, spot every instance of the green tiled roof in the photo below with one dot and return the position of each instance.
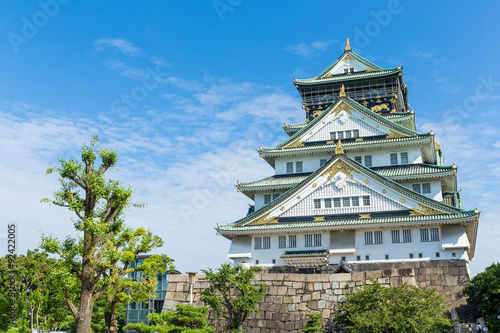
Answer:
(359, 75)
(355, 56)
(410, 170)
(310, 253)
(357, 106)
(295, 126)
(464, 214)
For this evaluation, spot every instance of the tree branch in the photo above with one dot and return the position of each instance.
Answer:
(71, 307)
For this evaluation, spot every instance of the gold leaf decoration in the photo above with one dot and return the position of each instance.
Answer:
(265, 219)
(424, 210)
(392, 135)
(339, 165)
(295, 144)
(319, 219)
(365, 216)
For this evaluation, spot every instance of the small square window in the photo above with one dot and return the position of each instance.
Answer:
(343, 259)
(346, 202)
(416, 188)
(317, 203)
(368, 160)
(332, 136)
(453, 254)
(355, 133)
(394, 159)
(367, 257)
(420, 255)
(355, 201)
(328, 203)
(340, 135)
(322, 162)
(438, 254)
(336, 202)
(358, 258)
(274, 261)
(386, 257)
(426, 188)
(357, 159)
(366, 200)
(298, 167)
(347, 134)
(411, 255)
(404, 158)
(267, 199)
(289, 167)
(256, 261)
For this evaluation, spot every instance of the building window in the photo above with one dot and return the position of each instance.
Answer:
(394, 159)
(340, 135)
(346, 202)
(420, 255)
(267, 199)
(438, 255)
(275, 196)
(358, 159)
(328, 203)
(355, 201)
(256, 261)
(411, 255)
(368, 160)
(416, 188)
(348, 134)
(424, 235)
(386, 257)
(322, 162)
(332, 136)
(309, 241)
(355, 133)
(368, 237)
(282, 242)
(367, 257)
(298, 167)
(426, 188)
(404, 158)
(406, 236)
(366, 200)
(317, 203)
(434, 235)
(395, 236)
(453, 254)
(343, 259)
(266, 242)
(274, 261)
(292, 241)
(258, 243)
(289, 167)
(377, 237)
(358, 258)
(317, 239)
(336, 202)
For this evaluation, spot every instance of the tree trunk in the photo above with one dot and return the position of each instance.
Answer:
(32, 308)
(110, 317)
(85, 310)
(37, 313)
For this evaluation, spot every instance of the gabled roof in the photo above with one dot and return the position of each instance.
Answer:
(419, 204)
(353, 55)
(350, 104)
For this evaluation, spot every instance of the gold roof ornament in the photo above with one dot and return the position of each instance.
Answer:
(342, 91)
(339, 150)
(438, 146)
(347, 45)
(453, 166)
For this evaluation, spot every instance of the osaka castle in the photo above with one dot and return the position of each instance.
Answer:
(354, 183)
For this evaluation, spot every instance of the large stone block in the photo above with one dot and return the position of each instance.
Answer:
(340, 277)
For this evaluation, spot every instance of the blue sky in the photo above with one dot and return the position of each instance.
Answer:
(187, 90)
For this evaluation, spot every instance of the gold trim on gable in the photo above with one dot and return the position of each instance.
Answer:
(392, 135)
(339, 165)
(265, 219)
(295, 144)
(424, 210)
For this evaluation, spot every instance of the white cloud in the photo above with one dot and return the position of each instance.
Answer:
(123, 45)
(307, 50)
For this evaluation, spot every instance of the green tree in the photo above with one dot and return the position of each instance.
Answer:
(314, 323)
(186, 318)
(484, 291)
(101, 254)
(232, 294)
(378, 309)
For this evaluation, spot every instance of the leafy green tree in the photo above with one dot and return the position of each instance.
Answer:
(186, 318)
(484, 291)
(101, 254)
(314, 323)
(378, 309)
(232, 294)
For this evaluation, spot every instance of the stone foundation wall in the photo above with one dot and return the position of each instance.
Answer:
(290, 296)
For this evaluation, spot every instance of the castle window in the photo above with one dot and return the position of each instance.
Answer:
(282, 242)
(406, 236)
(266, 242)
(453, 254)
(322, 162)
(332, 136)
(426, 188)
(317, 203)
(394, 159)
(328, 203)
(366, 200)
(289, 167)
(298, 166)
(336, 202)
(404, 158)
(267, 199)
(434, 235)
(340, 135)
(358, 258)
(343, 259)
(355, 133)
(274, 261)
(424, 235)
(309, 240)
(355, 201)
(416, 188)
(292, 241)
(358, 159)
(373, 237)
(386, 257)
(256, 261)
(395, 236)
(275, 196)
(420, 255)
(348, 134)
(411, 255)
(438, 255)
(346, 202)
(368, 160)
(367, 257)
(377, 237)
(317, 239)
(258, 243)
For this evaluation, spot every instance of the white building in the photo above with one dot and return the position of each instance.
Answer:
(354, 182)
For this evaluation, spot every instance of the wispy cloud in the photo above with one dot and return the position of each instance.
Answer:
(123, 45)
(308, 50)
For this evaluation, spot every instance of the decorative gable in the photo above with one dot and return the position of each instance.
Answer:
(348, 65)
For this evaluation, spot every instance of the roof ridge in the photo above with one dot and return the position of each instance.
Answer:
(356, 56)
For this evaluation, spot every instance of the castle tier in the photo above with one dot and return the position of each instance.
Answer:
(355, 182)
